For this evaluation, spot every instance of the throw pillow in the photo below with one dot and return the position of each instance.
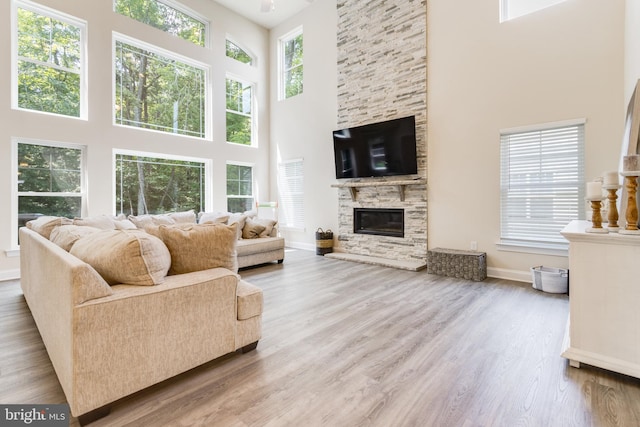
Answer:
(66, 235)
(44, 225)
(103, 222)
(268, 225)
(141, 221)
(132, 257)
(214, 217)
(238, 219)
(252, 229)
(196, 247)
(187, 217)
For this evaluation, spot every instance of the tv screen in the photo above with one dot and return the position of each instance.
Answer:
(377, 149)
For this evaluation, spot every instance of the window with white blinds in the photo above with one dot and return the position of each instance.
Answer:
(541, 183)
(291, 193)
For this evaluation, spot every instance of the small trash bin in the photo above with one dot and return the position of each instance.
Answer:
(324, 241)
(552, 280)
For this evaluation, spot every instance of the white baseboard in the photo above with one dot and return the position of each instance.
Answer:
(503, 273)
(9, 275)
(301, 245)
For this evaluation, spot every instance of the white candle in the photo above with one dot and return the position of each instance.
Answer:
(631, 163)
(611, 178)
(594, 190)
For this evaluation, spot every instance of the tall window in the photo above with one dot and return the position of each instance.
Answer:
(239, 188)
(541, 184)
(236, 52)
(291, 192)
(290, 64)
(166, 15)
(239, 118)
(49, 67)
(49, 180)
(510, 9)
(157, 90)
(156, 184)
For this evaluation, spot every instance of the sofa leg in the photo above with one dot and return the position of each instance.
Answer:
(249, 347)
(280, 261)
(94, 415)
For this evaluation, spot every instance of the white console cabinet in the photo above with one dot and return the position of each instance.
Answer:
(604, 300)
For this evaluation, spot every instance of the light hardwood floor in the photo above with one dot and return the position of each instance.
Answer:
(347, 344)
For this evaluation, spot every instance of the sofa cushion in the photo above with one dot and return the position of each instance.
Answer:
(186, 217)
(196, 247)
(125, 256)
(142, 221)
(250, 300)
(254, 246)
(44, 225)
(252, 229)
(239, 219)
(66, 235)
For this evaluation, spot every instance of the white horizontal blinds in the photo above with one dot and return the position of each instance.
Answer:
(542, 183)
(291, 193)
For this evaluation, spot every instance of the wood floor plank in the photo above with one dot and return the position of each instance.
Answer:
(348, 344)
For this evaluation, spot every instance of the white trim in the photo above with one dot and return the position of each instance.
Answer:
(59, 16)
(543, 126)
(301, 245)
(506, 274)
(9, 275)
(532, 248)
(208, 168)
(280, 71)
(12, 253)
(206, 68)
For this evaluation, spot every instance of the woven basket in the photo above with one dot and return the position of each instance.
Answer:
(324, 241)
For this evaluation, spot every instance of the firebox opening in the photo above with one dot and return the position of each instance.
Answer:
(382, 222)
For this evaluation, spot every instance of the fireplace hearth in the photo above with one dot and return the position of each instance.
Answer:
(382, 222)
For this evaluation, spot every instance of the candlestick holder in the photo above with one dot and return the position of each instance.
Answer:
(612, 216)
(631, 215)
(596, 216)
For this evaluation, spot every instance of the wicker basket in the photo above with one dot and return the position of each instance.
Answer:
(324, 241)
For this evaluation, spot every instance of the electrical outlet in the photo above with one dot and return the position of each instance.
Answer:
(474, 245)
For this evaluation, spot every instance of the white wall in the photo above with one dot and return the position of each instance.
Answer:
(98, 133)
(301, 126)
(563, 62)
(632, 47)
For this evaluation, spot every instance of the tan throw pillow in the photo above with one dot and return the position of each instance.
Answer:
(252, 229)
(141, 221)
(187, 217)
(268, 225)
(103, 222)
(196, 247)
(239, 219)
(45, 224)
(66, 235)
(124, 224)
(132, 257)
(213, 217)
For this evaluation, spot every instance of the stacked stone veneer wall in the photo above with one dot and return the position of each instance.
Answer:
(382, 75)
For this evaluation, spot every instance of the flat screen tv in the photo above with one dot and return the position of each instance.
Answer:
(377, 149)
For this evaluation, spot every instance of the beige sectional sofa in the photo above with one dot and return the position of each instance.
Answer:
(116, 324)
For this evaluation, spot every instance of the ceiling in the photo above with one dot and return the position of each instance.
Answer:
(250, 9)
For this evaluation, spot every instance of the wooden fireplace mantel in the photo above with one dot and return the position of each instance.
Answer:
(399, 184)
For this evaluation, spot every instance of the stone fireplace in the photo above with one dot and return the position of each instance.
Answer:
(382, 75)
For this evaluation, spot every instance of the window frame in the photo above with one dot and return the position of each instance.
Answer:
(60, 16)
(252, 116)
(254, 60)
(505, 4)
(282, 70)
(542, 246)
(16, 194)
(182, 9)
(206, 68)
(208, 168)
(253, 182)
